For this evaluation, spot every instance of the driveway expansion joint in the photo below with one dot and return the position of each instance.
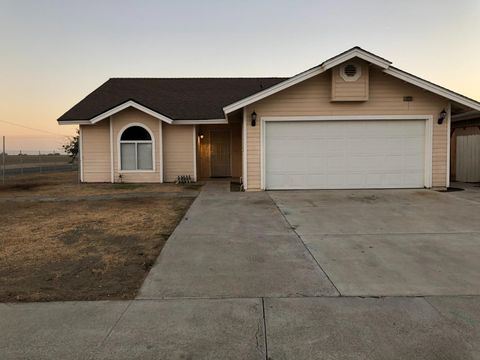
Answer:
(265, 329)
(459, 332)
(104, 340)
(293, 228)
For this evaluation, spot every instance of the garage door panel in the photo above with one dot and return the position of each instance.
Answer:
(414, 145)
(317, 165)
(297, 164)
(344, 154)
(412, 179)
(314, 179)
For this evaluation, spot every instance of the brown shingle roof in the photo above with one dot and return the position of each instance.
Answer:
(178, 99)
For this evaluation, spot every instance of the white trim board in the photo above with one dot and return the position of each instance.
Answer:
(449, 130)
(160, 149)
(359, 53)
(112, 170)
(200, 122)
(346, 117)
(428, 135)
(194, 153)
(126, 105)
(173, 122)
(74, 122)
(80, 151)
(273, 89)
(448, 94)
(244, 150)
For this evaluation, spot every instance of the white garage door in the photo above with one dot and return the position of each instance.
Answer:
(344, 154)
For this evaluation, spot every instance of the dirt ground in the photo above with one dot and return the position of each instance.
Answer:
(84, 249)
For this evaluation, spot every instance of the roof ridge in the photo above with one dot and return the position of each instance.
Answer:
(199, 77)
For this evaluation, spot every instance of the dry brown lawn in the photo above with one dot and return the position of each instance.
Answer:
(83, 249)
(47, 185)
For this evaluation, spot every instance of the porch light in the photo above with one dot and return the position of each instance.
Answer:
(201, 136)
(254, 118)
(443, 116)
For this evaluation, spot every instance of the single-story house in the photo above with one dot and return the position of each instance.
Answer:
(354, 121)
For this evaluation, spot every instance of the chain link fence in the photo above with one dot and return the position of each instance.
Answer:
(18, 165)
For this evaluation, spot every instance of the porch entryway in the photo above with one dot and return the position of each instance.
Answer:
(220, 146)
(219, 150)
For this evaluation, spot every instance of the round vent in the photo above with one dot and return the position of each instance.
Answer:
(350, 72)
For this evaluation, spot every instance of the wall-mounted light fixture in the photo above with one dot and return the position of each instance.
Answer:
(254, 118)
(443, 116)
(201, 136)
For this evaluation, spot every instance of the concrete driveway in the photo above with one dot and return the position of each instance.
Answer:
(234, 245)
(390, 242)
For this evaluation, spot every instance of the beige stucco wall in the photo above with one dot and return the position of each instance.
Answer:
(178, 151)
(313, 97)
(96, 152)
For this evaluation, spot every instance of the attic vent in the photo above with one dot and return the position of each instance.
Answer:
(350, 72)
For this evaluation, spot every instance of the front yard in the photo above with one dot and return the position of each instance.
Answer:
(67, 241)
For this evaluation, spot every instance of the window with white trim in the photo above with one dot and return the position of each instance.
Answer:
(136, 149)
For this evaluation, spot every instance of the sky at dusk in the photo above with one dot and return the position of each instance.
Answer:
(53, 53)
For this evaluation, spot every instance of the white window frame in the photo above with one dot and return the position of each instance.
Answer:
(244, 150)
(428, 136)
(136, 142)
(80, 150)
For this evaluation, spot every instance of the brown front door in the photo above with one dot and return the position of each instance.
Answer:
(220, 153)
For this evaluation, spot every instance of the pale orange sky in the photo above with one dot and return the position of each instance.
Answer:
(54, 52)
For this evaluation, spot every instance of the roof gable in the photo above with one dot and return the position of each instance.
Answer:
(356, 52)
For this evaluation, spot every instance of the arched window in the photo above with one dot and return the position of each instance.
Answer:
(136, 149)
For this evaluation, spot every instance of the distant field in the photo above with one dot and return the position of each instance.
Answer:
(35, 159)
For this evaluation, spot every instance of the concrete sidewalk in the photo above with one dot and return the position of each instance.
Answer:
(282, 328)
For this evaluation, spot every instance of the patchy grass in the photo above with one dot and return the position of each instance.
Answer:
(83, 249)
(66, 183)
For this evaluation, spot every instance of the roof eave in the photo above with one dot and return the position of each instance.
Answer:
(469, 115)
(74, 122)
(273, 89)
(433, 88)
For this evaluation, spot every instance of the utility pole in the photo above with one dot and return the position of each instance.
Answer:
(3, 161)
